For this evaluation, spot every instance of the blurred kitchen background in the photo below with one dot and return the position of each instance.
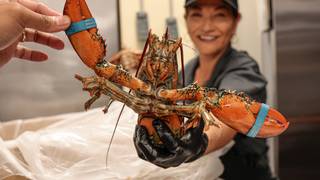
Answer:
(282, 35)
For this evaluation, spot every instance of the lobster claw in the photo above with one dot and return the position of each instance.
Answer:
(253, 119)
(269, 122)
(83, 33)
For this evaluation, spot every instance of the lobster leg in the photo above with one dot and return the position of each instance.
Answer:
(191, 92)
(117, 74)
(190, 111)
(99, 85)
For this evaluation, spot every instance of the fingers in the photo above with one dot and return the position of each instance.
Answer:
(156, 155)
(41, 38)
(38, 7)
(146, 150)
(28, 54)
(7, 53)
(136, 138)
(30, 19)
(143, 145)
(165, 135)
(47, 39)
(200, 127)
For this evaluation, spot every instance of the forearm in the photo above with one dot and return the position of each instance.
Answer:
(219, 137)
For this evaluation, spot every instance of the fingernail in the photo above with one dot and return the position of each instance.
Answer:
(63, 20)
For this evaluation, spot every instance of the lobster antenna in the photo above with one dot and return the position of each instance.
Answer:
(186, 45)
(182, 59)
(143, 53)
(182, 69)
(182, 65)
(112, 136)
(115, 128)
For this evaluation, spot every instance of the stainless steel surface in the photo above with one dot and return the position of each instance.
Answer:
(30, 89)
(269, 70)
(297, 26)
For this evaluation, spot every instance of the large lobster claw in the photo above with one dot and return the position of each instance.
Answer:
(83, 33)
(274, 122)
(254, 119)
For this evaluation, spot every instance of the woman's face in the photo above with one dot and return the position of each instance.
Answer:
(211, 26)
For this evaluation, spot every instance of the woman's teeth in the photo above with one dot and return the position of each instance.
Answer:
(207, 38)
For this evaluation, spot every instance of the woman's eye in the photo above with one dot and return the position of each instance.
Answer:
(221, 15)
(195, 15)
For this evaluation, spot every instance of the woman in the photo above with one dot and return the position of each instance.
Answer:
(211, 26)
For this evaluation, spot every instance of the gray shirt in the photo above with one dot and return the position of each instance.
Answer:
(236, 70)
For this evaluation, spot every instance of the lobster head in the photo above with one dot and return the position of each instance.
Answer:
(161, 62)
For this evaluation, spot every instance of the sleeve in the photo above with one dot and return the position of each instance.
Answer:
(244, 76)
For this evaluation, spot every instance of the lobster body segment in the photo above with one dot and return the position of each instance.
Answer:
(155, 94)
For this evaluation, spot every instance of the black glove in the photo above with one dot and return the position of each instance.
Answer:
(174, 151)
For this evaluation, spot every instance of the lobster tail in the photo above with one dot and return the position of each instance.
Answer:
(83, 33)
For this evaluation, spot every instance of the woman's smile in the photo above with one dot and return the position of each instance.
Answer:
(207, 38)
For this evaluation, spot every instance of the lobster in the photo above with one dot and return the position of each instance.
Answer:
(155, 86)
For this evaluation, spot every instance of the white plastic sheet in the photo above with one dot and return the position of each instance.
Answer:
(75, 148)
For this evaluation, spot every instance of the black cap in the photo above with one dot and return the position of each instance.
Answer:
(232, 3)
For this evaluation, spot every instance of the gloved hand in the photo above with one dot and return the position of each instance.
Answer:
(174, 151)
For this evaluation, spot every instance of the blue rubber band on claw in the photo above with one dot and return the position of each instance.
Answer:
(81, 26)
(263, 112)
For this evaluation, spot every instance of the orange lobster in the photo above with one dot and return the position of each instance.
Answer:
(155, 94)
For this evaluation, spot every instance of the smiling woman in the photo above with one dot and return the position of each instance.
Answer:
(211, 26)
(200, 23)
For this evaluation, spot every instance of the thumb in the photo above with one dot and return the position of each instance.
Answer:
(30, 19)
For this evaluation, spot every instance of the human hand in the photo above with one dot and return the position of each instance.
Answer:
(174, 151)
(30, 21)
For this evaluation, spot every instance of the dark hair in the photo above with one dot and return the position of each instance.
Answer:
(235, 13)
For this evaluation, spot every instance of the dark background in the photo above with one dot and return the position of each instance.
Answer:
(297, 24)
